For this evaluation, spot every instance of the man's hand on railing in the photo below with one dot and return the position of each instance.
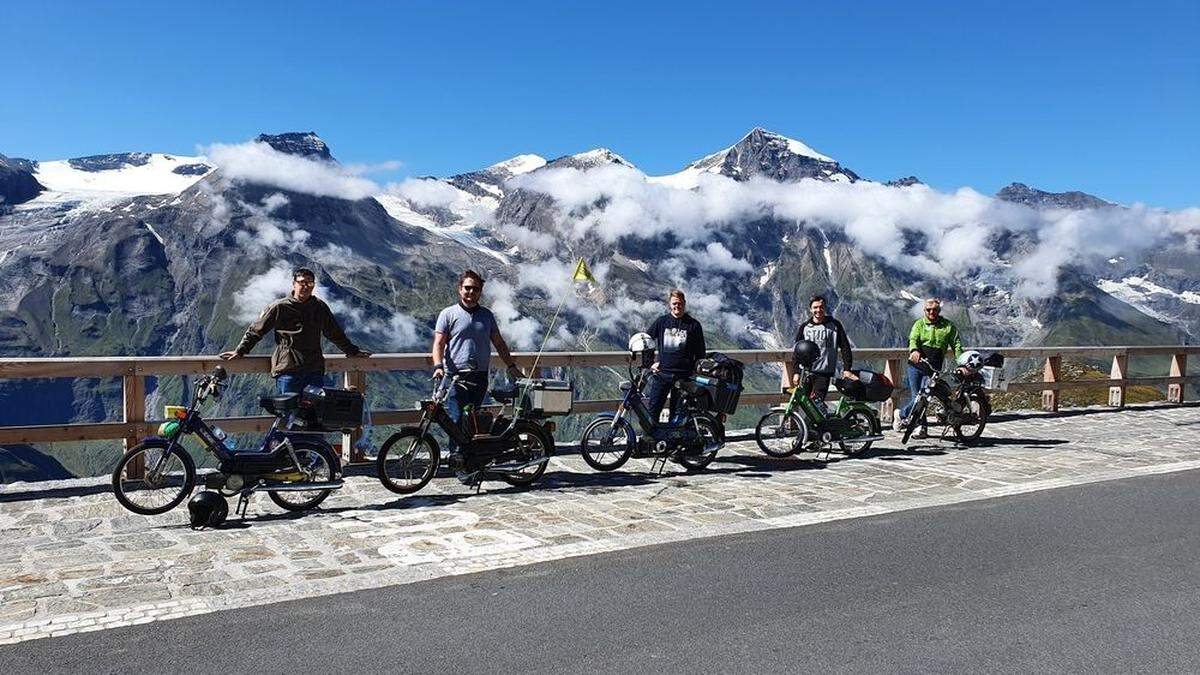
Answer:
(229, 356)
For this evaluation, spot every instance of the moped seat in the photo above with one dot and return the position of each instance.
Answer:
(507, 395)
(280, 405)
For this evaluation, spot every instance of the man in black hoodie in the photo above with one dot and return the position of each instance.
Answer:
(831, 339)
(680, 342)
(299, 321)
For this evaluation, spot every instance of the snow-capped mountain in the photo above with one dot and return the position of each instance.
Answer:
(489, 182)
(108, 178)
(762, 153)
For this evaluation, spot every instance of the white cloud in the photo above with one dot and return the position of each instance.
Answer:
(261, 290)
(426, 192)
(615, 201)
(714, 257)
(261, 164)
(520, 332)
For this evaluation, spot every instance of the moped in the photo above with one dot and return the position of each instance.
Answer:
(692, 437)
(803, 424)
(515, 449)
(297, 469)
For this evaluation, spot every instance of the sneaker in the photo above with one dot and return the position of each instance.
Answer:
(464, 477)
(921, 433)
(897, 422)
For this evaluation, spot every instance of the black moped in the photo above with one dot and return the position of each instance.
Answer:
(514, 449)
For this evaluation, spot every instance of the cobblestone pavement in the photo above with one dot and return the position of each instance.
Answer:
(79, 562)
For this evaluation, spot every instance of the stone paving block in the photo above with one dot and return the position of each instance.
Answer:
(86, 561)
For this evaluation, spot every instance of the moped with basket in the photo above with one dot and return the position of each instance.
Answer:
(513, 448)
(297, 469)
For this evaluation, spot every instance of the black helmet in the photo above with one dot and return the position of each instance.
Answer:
(208, 509)
(805, 352)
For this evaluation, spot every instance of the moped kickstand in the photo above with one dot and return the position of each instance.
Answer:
(243, 504)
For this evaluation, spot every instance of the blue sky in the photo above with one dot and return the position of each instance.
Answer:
(1097, 96)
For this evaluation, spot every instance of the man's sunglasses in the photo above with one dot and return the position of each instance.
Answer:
(472, 289)
(933, 310)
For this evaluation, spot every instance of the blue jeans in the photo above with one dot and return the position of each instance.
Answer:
(294, 383)
(658, 388)
(460, 397)
(916, 380)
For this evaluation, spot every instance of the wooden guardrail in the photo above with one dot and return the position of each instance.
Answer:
(134, 371)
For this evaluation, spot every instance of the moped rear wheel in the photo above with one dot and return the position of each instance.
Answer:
(407, 461)
(780, 433)
(710, 432)
(150, 480)
(977, 405)
(318, 462)
(532, 444)
(862, 423)
(605, 444)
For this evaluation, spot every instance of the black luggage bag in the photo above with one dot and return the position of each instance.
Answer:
(870, 386)
(721, 377)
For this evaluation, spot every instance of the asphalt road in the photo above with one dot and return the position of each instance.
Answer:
(1103, 577)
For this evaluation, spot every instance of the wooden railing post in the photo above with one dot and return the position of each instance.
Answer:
(1051, 372)
(893, 370)
(1116, 393)
(785, 375)
(1178, 369)
(353, 380)
(133, 388)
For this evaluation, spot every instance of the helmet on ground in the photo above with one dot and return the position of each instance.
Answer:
(805, 352)
(641, 342)
(971, 359)
(208, 509)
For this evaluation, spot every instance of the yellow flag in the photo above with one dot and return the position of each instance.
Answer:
(582, 273)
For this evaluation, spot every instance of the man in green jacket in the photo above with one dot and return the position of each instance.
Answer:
(298, 321)
(929, 339)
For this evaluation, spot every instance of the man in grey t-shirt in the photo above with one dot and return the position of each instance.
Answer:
(463, 338)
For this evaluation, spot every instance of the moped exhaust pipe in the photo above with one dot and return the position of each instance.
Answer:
(300, 487)
(862, 439)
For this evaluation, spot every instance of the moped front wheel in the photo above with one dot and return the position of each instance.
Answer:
(318, 462)
(153, 478)
(407, 461)
(781, 434)
(606, 443)
(915, 418)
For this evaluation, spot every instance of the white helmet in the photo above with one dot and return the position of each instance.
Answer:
(971, 359)
(642, 342)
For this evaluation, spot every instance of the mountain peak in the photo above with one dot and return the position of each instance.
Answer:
(515, 166)
(590, 160)
(1020, 193)
(762, 136)
(762, 152)
(301, 143)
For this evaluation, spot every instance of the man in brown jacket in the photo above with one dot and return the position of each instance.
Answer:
(299, 321)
